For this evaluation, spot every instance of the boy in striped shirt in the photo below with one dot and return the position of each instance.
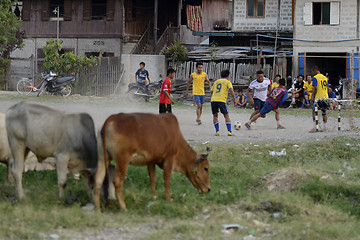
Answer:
(276, 98)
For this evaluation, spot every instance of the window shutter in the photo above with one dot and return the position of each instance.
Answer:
(87, 10)
(45, 11)
(26, 10)
(334, 13)
(67, 10)
(308, 14)
(110, 10)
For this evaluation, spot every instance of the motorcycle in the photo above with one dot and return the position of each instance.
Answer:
(137, 92)
(55, 85)
(339, 89)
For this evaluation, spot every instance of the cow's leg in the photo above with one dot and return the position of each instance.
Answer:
(18, 150)
(121, 169)
(62, 161)
(152, 175)
(87, 181)
(167, 175)
(99, 179)
(9, 174)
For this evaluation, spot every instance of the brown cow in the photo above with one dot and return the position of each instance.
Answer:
(145, 139)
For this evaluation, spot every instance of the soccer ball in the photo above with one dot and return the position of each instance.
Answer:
(237, 125)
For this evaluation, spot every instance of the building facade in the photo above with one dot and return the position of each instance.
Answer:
(86, 27)
(331, 30)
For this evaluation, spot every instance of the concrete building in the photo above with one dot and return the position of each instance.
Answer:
(324, 20)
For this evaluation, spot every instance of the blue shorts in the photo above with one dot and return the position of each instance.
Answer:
(266, 109)
(215, 106)
(199, 99)
(258, 104)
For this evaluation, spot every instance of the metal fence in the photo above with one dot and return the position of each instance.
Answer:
(102, 79)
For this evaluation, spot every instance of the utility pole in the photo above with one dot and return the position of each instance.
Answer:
(155, 24)
(56, 11)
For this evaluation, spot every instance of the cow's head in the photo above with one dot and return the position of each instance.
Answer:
(199, 175)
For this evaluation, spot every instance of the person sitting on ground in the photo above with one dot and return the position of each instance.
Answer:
(298, 91)
(276, 81)
(241, 99)
(308, 89)
(275, 99)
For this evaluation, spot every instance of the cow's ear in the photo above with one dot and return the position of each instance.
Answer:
(200, 158)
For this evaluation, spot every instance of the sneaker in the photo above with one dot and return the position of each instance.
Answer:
(230, 134)
(198, 121)
(247, 125)
(217, 133)
(280, 127)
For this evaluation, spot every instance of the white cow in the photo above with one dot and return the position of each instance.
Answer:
(31, 162)
(47, 132)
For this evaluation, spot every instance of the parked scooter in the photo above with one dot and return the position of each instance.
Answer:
(139, 91)
(55, 85)
(339, 89)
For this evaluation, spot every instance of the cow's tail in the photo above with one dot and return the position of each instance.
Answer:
(106, 161)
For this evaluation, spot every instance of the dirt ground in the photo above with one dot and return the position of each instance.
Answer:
(297, 126)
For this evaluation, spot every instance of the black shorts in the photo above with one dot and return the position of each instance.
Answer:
(258, 104)
(323, 106)
(165, 108)
(215, 106)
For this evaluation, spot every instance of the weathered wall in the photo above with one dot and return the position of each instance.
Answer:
(267, 23)
(348, 28)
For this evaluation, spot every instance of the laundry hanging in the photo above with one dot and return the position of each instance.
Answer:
(194, 18)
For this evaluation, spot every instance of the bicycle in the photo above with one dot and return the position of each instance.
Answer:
(26, 85)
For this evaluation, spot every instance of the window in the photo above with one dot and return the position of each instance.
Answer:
(322, 13)
(255, 8)
(17, 9)
(54, 6)
(97, 54)
(98, 8)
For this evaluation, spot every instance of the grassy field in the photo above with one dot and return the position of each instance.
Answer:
(320, 198)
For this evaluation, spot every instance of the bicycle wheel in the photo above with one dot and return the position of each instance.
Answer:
(24, 86)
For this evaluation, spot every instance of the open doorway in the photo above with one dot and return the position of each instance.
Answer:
(331, 64)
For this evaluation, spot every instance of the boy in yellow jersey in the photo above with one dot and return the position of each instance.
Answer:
(219, 93)
(276, 81)
(198, 79)
(320, 91)
(308, 89)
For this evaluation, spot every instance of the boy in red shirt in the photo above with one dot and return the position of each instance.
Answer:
(165, 98)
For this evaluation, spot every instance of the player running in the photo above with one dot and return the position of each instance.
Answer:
(261, 86)
(276, 98)
(198, 79)
(219, 93)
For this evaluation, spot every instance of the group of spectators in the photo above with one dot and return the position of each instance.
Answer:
(303, 91)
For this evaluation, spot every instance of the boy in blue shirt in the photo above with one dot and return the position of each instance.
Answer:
(141, 75)
(241, 99)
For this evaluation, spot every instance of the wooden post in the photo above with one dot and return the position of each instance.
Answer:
(284, 73)
(304, 65)
(155, 24)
